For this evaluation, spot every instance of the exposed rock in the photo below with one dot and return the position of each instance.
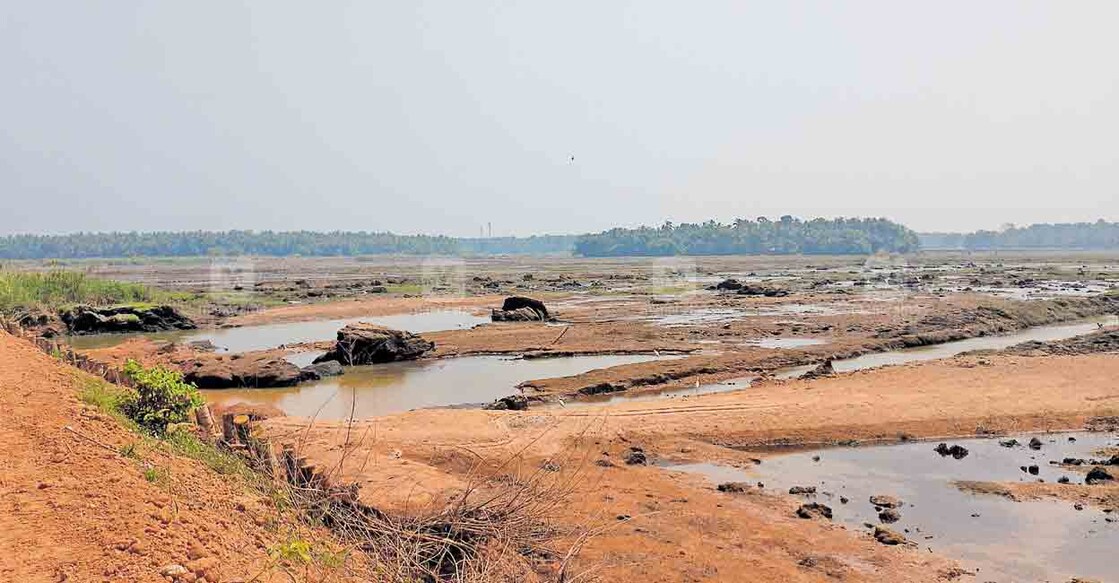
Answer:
(518, 315)
(510, 403)
(824, 370)
(733, 487)
(240, 370)
(956, 451)
(758, 290)
(520, 309)
(1098, 475)
(728, 285)
(887, 536)
(802, 490)
(1009, 443)
(885, 501)
(636, 457)
(89, 320)
(1035, 443)
(889, 515)
(814, 510)
(365, 343)
(320, 370)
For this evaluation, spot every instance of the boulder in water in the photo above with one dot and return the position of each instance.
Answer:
(241, 371)
(320, 370)
(365, 343)
(958, 452)
(824, 370)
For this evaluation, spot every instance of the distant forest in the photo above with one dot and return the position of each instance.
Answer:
(202, 243)
(1098, 235)
(787, 235)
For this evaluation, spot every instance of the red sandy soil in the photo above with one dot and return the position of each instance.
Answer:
(74, 509)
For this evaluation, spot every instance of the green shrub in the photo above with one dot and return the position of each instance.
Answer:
(160, 398)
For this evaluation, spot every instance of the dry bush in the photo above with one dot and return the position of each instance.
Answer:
(501, 527)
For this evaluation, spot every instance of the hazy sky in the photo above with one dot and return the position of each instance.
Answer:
(437, 117)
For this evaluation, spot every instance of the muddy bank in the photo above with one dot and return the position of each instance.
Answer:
(1102, 341)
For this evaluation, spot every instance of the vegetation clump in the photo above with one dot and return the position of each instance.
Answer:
(59, 288)
(160, 397)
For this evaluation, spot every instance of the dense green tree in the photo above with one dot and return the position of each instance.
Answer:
(784, 236)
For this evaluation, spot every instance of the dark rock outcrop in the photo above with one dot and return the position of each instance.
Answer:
(241, 370)
(814, 510)
(885, 501)
(520, 309)
(321, 370)
(958, 452)
(758, 290)
(636, 457)
(1097, 476)
(365, 343)
(824, 370)
(733, 487)
(510, 403)
(889, 515)
(887, 536)
(89, 320)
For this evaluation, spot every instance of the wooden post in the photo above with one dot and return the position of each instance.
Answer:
(228, 433)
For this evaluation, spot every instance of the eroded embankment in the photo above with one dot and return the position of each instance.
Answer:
(86, 499)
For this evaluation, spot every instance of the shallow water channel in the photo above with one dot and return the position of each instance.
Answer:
(893, 357)
(400, 386)
(1007, 541)
(264, 336)
(949, 349)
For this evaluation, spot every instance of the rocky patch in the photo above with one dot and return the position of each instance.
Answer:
(241, 370)
(364, 343)
(520, 309)
(814, 510)
(83, 320)
(321, 370)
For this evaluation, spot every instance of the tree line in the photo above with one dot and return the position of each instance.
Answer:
(1090, 236)
(787, 235)
(269, 243)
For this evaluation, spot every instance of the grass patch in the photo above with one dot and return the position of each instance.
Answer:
(158, 476)
(61, 288)
(404, 288)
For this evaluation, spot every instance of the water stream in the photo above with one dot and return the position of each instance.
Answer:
(1007, 541)
(400, 386)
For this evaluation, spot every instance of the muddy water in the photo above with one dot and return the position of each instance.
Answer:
(1043, 540)
(401, 386)
(272, 335)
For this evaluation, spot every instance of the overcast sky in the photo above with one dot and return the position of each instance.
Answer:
(438, 117)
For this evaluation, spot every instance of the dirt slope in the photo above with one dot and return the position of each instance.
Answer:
(72, 509)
